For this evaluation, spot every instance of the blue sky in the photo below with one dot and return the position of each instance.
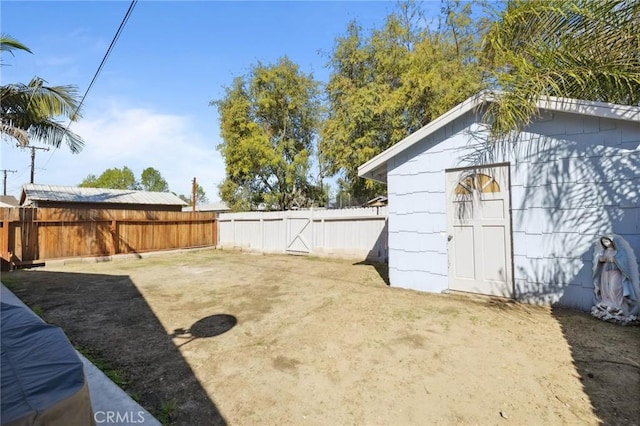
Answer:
(149, 106)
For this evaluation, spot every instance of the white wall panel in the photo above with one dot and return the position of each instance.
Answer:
(418, 280)
(573, 177)
(357, 233)
(273, 235)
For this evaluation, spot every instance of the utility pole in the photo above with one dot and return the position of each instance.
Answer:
(33, 158)
(193, 195)
(4, 185)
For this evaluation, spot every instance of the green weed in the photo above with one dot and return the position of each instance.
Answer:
(116, 375)
(165, 416)
(38, 311)
(9, 282)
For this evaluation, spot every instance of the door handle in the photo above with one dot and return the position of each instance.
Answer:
(449, 237)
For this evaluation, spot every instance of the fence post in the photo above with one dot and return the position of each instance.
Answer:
(215, 229)
(5, 249)
(312, 229)
(233, 232)
(114, 237)
(287, 232)
(261, 235)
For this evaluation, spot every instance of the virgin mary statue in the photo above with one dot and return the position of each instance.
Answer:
(615, 280)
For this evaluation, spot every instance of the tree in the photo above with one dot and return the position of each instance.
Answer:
(201, 196)
(29, 111)
(152, 180)
(568, 48)
(113, 178)
(390, 82)
(268, 121)
(9, 44)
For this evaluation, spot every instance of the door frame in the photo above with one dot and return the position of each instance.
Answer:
(510, 260)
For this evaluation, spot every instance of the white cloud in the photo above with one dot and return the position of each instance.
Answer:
(117, 136)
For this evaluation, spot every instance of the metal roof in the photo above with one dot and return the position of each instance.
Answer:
(73, 194)
(220, 206)
(8, 201)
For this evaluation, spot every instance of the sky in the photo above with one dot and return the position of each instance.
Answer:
(149, 106)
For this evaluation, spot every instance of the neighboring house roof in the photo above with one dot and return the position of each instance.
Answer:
(376, 168)
(8, 201)
(72, 194)
(378, 201)
(210, 207)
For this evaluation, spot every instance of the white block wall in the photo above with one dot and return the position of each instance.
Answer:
(351, 233)
(573, 178)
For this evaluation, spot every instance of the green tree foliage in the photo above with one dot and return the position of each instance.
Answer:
(268, 122)
(9, 44)
(569, 48)
(29, 111)
(152, 180)
(113, 178)
(389, 82)
(201, 196)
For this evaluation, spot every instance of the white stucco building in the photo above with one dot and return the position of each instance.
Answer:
(515, 219)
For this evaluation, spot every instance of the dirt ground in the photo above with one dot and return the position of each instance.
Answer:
(215, 337)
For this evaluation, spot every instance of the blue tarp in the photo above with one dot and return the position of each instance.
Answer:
(40, 371)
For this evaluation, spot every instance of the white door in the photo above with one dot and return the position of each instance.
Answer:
(479, 227)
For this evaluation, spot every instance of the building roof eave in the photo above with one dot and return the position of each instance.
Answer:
(376, 168)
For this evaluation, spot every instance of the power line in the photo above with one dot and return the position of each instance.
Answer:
(33, 158)
(21, 170)
(24, 169)
(106, 55)
(4, 185)
(123, 23)
(18, 187)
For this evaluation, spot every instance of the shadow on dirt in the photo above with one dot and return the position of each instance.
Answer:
(211, 326)
(607, 358)
(381, 268)
(109, 317)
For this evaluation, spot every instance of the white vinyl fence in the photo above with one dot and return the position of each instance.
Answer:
(352, 233)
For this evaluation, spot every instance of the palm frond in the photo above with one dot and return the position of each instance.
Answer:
(15, 132)
(53, 133)
(567, 48)
(40, 100)
(29, 111)
(9, 44)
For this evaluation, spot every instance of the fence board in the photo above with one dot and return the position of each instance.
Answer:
(37, 234)
(358, 232)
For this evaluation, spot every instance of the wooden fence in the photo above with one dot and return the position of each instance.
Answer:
(32, 235)
(353, 233)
